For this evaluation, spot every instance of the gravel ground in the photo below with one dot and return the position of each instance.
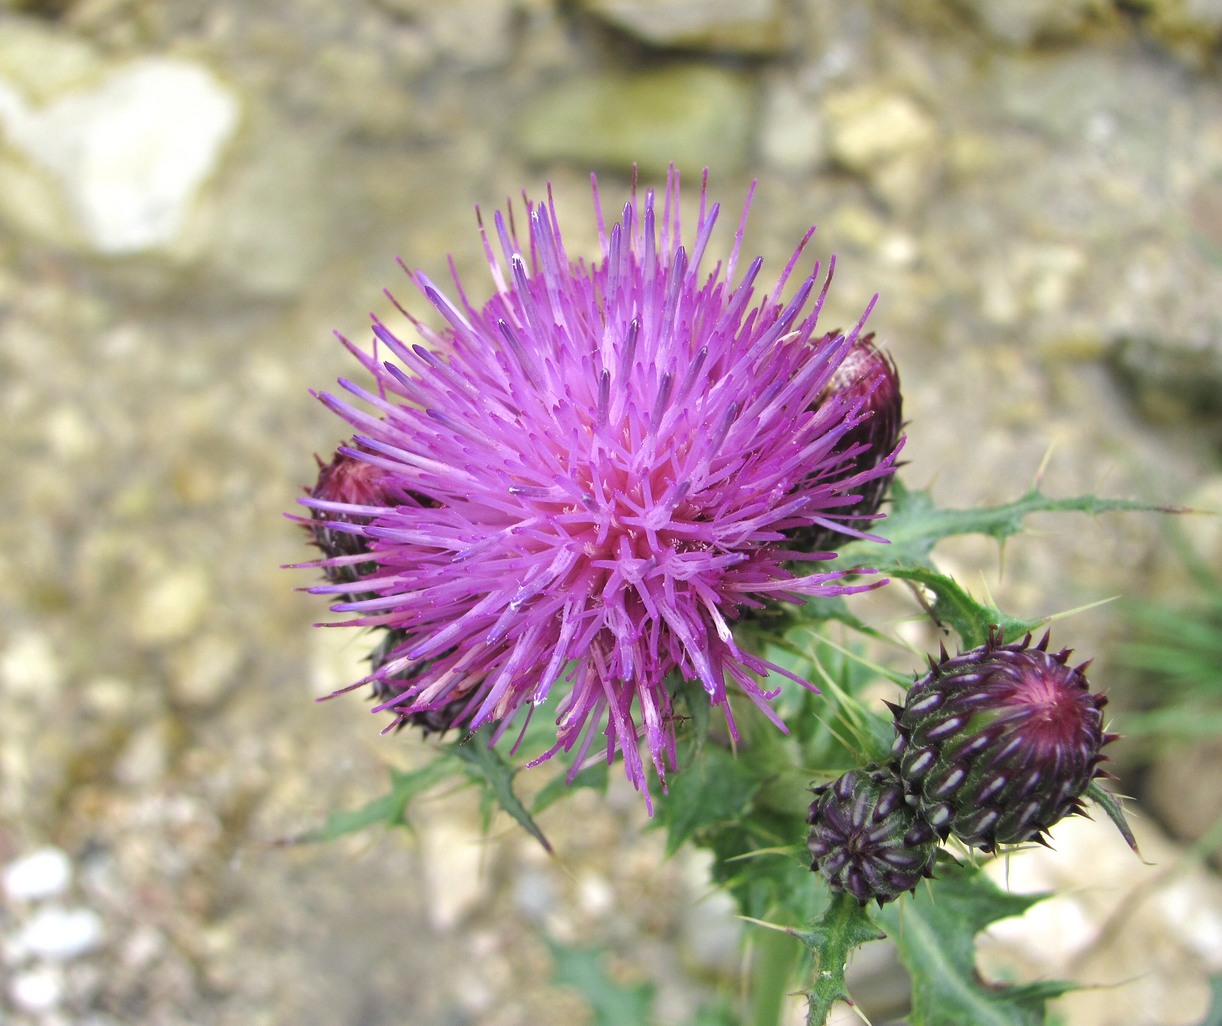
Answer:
(1035, 190)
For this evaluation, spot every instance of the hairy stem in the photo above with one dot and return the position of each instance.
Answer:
(844, 926)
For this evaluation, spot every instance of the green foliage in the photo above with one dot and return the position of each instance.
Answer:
(470, 760)
(746, 800)
(1213, 1017)
(389, 809)
(915, 525)
(935, 932)
(612, 1003)
(1176, 654)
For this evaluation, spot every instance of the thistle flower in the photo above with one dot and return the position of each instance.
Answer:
(999, 743)
(589, 477)
(866, 840)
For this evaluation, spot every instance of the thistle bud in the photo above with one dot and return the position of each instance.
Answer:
(345, 481)
(865, 839)
(388, 690)
(999, 743)
(867, 376)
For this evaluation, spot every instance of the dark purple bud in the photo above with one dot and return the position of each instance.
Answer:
(865, 839)
(1009, 746)
(868, 379)
(351, 482)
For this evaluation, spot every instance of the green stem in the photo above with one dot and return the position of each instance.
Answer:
(773, 958)
(844, 926)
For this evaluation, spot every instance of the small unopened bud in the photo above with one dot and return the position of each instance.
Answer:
(866, 840)
(867, 376)
(346, 480)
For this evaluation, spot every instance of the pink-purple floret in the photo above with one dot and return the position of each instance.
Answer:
(601, 468)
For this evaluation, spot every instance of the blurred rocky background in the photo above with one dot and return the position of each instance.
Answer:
(195, 193)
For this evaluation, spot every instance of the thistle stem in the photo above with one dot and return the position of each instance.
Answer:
(844, 926)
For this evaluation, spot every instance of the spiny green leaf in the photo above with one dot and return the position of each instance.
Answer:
(935, 932)
(1110, 805)
(716, 787)
(915, 524)
(486, 766)
(953, 606)
(611, 1003)
(389, 809)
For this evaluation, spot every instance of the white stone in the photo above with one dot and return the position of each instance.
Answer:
(454, 871)
(870, 125)
(37, 991)
(30, 668)
(60, 934)
(130, 152)
(45, 873)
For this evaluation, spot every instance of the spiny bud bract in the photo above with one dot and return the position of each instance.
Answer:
(866, 839)
(999, 743)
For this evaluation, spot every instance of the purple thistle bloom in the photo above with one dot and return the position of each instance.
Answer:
(598, 471)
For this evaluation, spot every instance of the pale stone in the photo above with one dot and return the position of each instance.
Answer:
(887, 139)
(791, 136)
(37, 991)
(30, 667)
(870, 125)
(131, 152)
(737, 26)
(45, 873)
(453, 857)
(204, 669)
(59, 934)
(691, 115)
(1023, 22)
(42, 63)
(173, 607)
(1150, 972)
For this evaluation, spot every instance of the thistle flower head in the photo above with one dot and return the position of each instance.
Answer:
(999, 743)
(588, 477)
(866, 840)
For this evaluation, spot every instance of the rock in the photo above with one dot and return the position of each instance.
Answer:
(477, 33)
(690, 114)
(130, 151)
(1172, 379)
(45, 873)
(718, 26)
(59, 934)
(453, 862)
(37, 991)
(1174, 787)
(791, 134)
(1150, 972)
(42, 63)
(172, 607)
(271, 218)
(30, 668)
(888, 140)
(1024, 22)
(204, 669)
